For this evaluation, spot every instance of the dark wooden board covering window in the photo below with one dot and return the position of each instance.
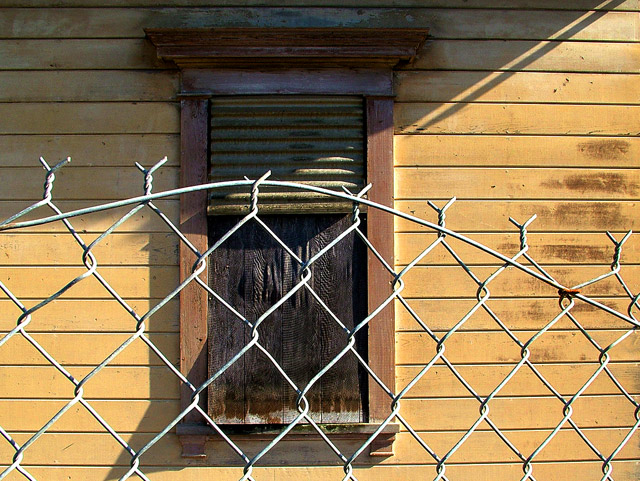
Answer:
(252, 272)
(318, 61)
(314, 140)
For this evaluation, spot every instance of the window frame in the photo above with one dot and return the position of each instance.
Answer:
(341, 62)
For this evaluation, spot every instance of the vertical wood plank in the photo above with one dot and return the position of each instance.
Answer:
(193, 223)
(379, 112)
(227, 333)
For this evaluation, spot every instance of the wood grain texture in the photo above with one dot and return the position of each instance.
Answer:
(523, 55)
(553, 216)
(129, 282)
(66, 54)
(88, 86)
(89, 118)
(518, 313)
(98, 449)
(117, 150)
(366, 81)
(277, 46)
(510, 119)
(82, 315)
(558, 94)
(144, 221)
(480, 472)
(567, 379)
(194, 141)
(598, 5)
(497, 348)
(252, 272)
(141, 382)
(444, 23)
(380, 234)
(116, 249)
(486, 55)
(518, 183)
(450, 282)
(89, 349)
(568, 249)
(84, 183)
(517, 87)
(516, 151)
(518, 413)
(436, 414)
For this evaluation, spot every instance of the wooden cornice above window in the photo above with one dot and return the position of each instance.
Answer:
(287, 47)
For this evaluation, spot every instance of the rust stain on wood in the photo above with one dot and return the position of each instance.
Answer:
(570, 253)
(605, 149)
(609, 182)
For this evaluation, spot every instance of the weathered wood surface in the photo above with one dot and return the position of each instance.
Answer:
(492, 67)
(380, 233)
(488, 55)
(478, 472)
(517, 87)
(553, 216)
(89, 150)
(518, 413)
(570, 248)
(597, 5)
(142, 416)
(252, 272)
(518, 313)
(45, 382)
(90, 118)
(567, 379)
(518, 183)
(193, 225)
(512, 119)
(483, 447)
(443, 23)
(516, 151)
(116, 249)
(129, 282)
(144, 221)
(143, 382)
(82, 315)
(454, 282)
(88, 86)
(419, 348)
(524, 55)
(89, 349)
(85, 183)
(66, 54)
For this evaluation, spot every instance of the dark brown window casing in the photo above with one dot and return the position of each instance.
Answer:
(268, 61)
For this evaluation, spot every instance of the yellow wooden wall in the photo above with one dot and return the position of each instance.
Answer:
(515, 107)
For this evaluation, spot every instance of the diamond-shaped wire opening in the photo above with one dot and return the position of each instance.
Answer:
(271, 273)
(575, 404)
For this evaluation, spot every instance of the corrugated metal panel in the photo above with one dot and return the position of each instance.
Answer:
(308, 139)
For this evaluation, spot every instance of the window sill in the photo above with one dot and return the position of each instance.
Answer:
(194, 436)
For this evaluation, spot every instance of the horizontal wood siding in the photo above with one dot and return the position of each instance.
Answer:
(517, 107)
(513, 125)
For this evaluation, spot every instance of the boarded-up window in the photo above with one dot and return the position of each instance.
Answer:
(315, 140)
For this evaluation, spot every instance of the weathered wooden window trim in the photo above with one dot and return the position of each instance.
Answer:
(251, 61)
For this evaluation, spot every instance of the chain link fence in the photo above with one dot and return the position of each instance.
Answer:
(569, 297)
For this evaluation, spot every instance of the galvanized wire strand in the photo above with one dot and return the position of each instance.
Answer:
(440, 342)
(567, 299)
(220, 185)
(88, 258)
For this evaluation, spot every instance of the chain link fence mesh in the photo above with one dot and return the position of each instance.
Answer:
(435, 341)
